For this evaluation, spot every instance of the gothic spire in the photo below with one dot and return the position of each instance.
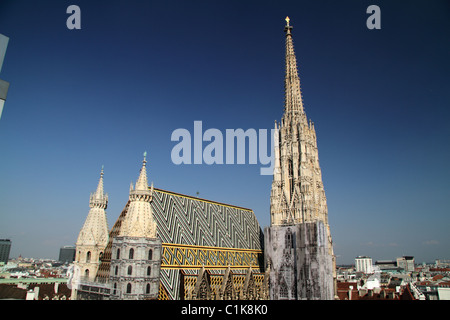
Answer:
(293, 96)
(297, 182)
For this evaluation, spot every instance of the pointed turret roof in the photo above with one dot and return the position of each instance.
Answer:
(139, 220)
(99, 191)
(95, 229)
(99, 198)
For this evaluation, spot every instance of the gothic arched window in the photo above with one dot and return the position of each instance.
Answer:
(150, 254)
(288, 240)
(118, 254)
(149, 270)
(88, 256)
(131, 254)
(147, 289)
(284, 293)
(129, 288)
(116, 271)
(130, 270)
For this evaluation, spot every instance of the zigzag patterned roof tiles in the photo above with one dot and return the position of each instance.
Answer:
(193, 221)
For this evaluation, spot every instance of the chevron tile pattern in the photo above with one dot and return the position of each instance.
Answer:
(192, 257)
(192, 221)
(204, 231)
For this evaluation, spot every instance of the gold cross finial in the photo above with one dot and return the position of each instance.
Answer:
(287, 21)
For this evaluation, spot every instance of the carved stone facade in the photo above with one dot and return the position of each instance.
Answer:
(228, 285)
(299, 265)
(135, 268)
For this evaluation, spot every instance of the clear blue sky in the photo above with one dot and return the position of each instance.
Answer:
(138, 70)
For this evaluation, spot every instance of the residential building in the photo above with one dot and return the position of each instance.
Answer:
(67, 254)
(363, 264)
(5, 248)
(406, 263)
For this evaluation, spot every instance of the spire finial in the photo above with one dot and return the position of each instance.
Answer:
(287, 27)
(141, 183)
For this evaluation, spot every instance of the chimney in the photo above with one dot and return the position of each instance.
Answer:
(362, 292)
(350, 288)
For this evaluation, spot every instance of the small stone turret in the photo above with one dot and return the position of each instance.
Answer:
(136, 251)
(92, 239)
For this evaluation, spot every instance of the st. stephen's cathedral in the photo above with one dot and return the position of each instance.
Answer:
(170, 246)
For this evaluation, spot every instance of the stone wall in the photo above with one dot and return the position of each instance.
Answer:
(299, 262)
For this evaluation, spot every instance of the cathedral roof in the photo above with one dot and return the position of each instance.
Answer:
(193, 223)
(204, 222)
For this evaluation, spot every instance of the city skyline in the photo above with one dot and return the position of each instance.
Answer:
(137, 71)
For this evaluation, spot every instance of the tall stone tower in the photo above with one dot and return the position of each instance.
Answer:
(136, 251)
(298, 242)
(93, 237)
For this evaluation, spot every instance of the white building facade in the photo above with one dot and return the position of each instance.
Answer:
(363, 264)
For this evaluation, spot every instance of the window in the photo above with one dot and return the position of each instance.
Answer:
(147, 290)
(288, 239)
(129, 288)
(149, 270)
(115, 288)
(88, 256)
(130, 270)
(150, 254)
(86, 273)
(118, 254)
(116, 271)
(131, 254)
(284, 293)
